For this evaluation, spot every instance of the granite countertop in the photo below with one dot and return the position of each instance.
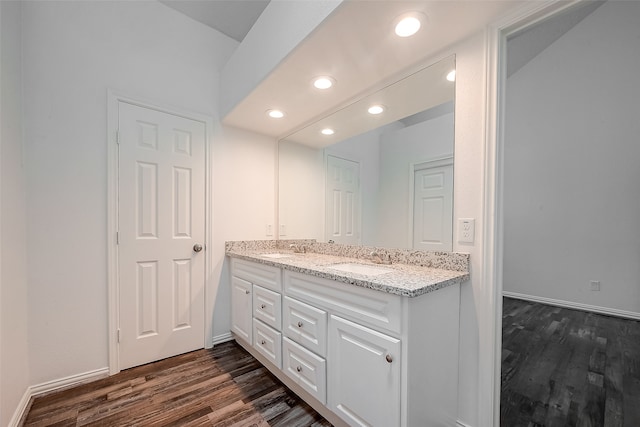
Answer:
(403, 279)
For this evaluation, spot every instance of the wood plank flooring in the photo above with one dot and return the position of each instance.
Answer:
(223, 387)
(563, 367)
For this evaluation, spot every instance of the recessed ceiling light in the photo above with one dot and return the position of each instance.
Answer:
(275, 114)
(323, 82)
(451, 76)
(376, 109)
(327, 131)
(408, 24)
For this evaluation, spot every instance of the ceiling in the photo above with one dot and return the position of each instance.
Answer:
(231, 17)
(356, 45)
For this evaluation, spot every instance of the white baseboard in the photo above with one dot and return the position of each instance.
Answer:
(21, 410)
(574, 305)
(49, 386)
(219, 339)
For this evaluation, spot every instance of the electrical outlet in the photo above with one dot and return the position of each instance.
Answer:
(466, 230)
(269, 230)
(283, 230)
(595, 285)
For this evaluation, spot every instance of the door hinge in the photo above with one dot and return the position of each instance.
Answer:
(118, 334)
(118, 137)
(117, 237)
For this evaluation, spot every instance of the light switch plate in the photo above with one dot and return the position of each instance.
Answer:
(466, 230)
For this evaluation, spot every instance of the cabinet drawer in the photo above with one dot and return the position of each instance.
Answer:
(305, 325)
(268, 342)
(379, 310)
(267, 306)
(305, 368)
(264, 275)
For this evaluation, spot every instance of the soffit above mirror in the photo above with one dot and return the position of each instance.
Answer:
(357, 47)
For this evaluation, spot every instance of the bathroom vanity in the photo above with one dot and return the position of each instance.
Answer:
(362, 343)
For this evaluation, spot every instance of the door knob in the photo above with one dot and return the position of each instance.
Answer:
(197, 247)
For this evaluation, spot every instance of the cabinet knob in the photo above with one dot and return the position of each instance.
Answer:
(263, 306)
(299, 368)
(299, 324)
(389, 358)
(247, 292)
(263, 342)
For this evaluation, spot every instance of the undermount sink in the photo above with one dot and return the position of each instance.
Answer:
(276, 255)
(367, 270)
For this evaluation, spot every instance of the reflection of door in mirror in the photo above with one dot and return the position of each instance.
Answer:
(343, 199)
(433, 206)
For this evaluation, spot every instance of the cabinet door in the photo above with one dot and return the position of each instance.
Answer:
(241, 308)
(364, 374)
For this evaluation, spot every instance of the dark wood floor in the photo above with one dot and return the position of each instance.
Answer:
(563, 367)
(221, 387)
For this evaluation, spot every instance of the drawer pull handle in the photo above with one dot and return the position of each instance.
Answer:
(247, 292)
(299, 368)
(389, 358)
(299, 324)
(263, 342)
(263, 306)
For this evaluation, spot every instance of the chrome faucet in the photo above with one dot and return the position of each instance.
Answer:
(298, 249)
(379, 259)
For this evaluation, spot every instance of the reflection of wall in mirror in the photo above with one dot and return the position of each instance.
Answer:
(399, 149)
(301, 192)
(385, 156)
(365, 150)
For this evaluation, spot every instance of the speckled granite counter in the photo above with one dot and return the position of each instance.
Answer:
(413, 273)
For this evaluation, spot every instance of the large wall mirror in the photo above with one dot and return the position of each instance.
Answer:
(381, 179)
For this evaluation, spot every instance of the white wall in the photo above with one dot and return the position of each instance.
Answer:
(571, 165)
(14, 369)
(244, 202)
(73, 52)
(475, 315)
(424, 141)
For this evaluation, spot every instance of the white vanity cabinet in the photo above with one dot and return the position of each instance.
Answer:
(359, 356)
(256, 307)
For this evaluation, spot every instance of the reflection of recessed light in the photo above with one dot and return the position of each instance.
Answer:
(275, 114)
(451, 76)
(323, 82)
(327, 131)
(408, 24)
(376, 109)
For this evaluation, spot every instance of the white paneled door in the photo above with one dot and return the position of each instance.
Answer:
(433, 207)
(161, 217)
(343, 200)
